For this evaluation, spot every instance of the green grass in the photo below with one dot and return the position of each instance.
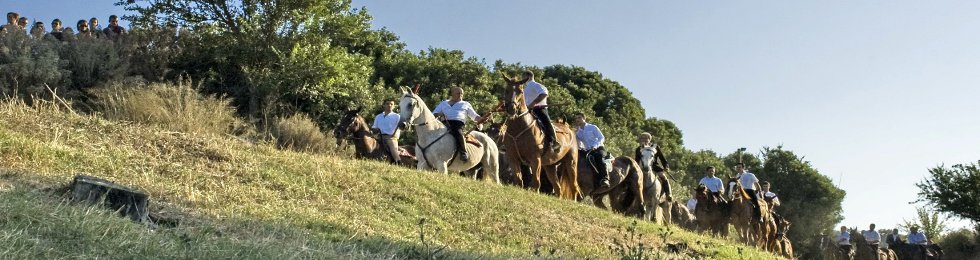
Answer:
(245, 200)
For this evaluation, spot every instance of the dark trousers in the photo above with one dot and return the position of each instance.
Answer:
(757, 213)
(456, 129)
(545, 123)
(595, 157)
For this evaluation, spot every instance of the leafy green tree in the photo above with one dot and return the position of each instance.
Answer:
(929, 222)
(809, 199)
(315, 56)
(953, 190)
(751, 161)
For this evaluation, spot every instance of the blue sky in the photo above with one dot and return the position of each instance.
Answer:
(873, 93)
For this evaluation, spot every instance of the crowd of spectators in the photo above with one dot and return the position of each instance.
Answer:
(85, 28)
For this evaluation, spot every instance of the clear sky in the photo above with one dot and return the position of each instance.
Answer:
(873, 93)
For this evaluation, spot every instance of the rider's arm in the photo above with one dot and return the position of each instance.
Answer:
(539, 99)
(601, 138)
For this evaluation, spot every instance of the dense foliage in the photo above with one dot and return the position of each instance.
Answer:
(954, 190)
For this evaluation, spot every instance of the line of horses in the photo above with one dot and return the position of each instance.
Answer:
(513, 152)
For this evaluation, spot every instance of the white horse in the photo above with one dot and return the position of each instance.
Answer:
(436, 147)
(658, 209)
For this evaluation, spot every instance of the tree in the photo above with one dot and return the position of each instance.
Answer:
(313, 56)
(930, 222)
(809, 199)
(954, 190)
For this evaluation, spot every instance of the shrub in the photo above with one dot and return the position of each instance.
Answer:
(960, 244)
(299, 133)
(176, 107)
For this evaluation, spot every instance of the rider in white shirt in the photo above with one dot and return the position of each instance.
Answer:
(536, 99)
(714, 184)
(456, 111)
(844, 240)
(750, 184)
(872, 236)
(386, 124)
(917, 238)
(590, 141)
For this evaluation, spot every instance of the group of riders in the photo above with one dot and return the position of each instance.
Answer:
(454, 113)
(916, 242)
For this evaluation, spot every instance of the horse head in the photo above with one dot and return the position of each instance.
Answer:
(513, 95)
(701, 193)
(410, 106)
(347, 125)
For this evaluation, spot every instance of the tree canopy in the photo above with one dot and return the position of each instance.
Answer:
(954, 190)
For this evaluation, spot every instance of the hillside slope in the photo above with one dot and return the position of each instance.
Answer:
(238, 199)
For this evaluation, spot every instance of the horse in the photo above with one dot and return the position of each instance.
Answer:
(780, 244)
(710, 213)
(524, 142)
(916, 252)
(436, 149)
(657, 207)
(353, 127)
(682, 216)
(865, 251)
(625, 189)
(742, 217)
(830, 250)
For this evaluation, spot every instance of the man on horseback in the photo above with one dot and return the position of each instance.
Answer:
(893, 239)
(844, 241)
(714, 184)
(873, 238)
(751, 185)
(658, 164)
(386, 124)
(536, 99)
(590, 141)
(455, 111)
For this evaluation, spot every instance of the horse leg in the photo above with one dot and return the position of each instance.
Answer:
(535, 166)
(551, 172)
(422, 163)
(442, 167)
(597, 201)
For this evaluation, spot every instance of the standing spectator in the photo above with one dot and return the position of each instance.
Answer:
(38, 30)
(93, 25)
(114, 31)
(56, 30)
(11, 25)
(22, 23)
(83, 30)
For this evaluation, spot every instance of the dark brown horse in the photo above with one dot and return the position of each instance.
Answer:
(625, 189)
(865, 251)
(524, 142)
(353, 127)
(780, 244)
(710, 214)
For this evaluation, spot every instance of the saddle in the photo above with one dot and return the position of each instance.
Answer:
(472, 140)
(608, 161)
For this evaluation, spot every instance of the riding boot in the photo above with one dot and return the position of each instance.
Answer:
(548, 129)
(665, 185)
(603, 175)
(461, 146)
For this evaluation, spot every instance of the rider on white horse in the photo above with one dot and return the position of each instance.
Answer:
(455, 111)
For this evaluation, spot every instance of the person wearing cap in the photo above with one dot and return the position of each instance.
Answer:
(651, 158)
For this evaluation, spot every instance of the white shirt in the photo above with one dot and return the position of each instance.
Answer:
(532, 90)
(871, 236)
(748, 180)
(772, 196)
(918, 238)
(589, 137)
(458, 111)
(844, 239)
(388, 124)
(713, 184)
(691, 203)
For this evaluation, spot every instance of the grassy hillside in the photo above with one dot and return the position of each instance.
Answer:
(238, 199)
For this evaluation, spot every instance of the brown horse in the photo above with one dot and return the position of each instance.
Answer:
(742, 216)
(780, 244)
(625, 189)
(524, 142)
(353, 127)
(865, 251)
(710, 214)
(916, 252)
(682, 216)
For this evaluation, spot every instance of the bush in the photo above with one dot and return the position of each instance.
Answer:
(300, 133)
(960, 244)
(28, 66)
(175, 107)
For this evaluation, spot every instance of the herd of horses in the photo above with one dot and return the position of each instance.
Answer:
(524, 160)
